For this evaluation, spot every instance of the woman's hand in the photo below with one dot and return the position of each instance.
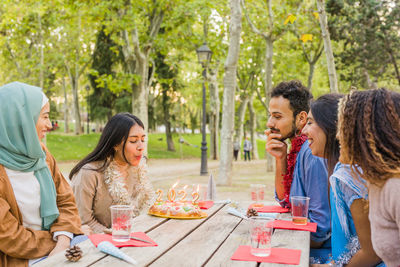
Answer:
(107, 231)
(63, 243)
(86, 229)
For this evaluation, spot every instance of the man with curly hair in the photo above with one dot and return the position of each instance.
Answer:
(298, 173)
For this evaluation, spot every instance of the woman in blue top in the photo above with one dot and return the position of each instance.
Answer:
(351, 234)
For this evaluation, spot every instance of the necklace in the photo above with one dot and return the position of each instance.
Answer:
(140, 192)
(116, 184)
(297, 142)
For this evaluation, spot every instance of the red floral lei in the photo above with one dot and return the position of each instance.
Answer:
(297, 142)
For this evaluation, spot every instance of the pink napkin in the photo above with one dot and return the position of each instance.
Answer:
(97, 238)
(289, 225)
(205, 205)
(278, 255)
(268, 209)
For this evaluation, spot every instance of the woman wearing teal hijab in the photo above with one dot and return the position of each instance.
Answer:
(38, 214)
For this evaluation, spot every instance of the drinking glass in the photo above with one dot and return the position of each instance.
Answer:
(203, 192)
(257, 192)
(121, 219)
(260, 235)
(299, 209)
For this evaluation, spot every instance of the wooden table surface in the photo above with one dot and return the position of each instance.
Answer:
(204, 242)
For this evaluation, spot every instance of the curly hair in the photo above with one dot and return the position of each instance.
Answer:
(369, 133)
(298, 95)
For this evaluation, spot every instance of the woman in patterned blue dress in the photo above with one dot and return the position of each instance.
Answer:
(351, 234)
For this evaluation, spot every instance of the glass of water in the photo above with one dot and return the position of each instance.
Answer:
(121, 218)
(260, 235)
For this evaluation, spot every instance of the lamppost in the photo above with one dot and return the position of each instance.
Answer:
(87, 103)
(204, 56)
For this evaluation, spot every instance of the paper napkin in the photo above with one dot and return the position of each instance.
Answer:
(278, 255)
(97, 238)
(205, 205)
(272, 209)
(289, 225)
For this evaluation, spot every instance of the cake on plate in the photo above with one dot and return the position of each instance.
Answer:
(177, 210)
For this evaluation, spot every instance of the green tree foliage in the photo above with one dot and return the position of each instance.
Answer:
(368, 32)
(120, 46)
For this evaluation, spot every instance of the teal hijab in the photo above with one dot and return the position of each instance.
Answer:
(20, 150)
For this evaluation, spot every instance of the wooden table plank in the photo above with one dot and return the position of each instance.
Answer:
(281, 238)
(145, 223)
(166, 235)
(91, 254)
(240, 236)
(200, 245)
(291, 239)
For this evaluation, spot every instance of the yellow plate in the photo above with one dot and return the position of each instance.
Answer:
(203, 215)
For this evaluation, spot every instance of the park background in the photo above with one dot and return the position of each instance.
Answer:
(96, 58)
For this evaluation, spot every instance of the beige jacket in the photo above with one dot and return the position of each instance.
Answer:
(17, 243)
(94, 199)
(384, 215)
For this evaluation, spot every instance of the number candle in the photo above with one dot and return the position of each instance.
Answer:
(183, 198)
(160, 193)
(195, 195)
(171, 192)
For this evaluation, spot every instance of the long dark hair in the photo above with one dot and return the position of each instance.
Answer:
(116, 131)
(325, 113)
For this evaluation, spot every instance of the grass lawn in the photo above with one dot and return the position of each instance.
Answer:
(67, 147)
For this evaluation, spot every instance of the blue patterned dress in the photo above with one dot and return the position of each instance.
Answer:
(343, 191)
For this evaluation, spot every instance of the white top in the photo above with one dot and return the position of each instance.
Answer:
(27, 193)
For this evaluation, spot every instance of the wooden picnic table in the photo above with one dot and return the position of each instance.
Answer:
(202, 242)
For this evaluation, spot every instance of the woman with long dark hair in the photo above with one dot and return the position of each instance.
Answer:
(114, 173)
(351, 237)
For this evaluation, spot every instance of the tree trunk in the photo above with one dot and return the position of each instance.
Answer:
(328, 47)
(140, 91)
(270, 167)
(253, 125)
(193, 120)
(269, 53)
(66, 122)
(228, 119)
(240, 120)
(41, 74)
(396, 68)
(370, 83)
(75, 99)
(167, 122)
(214, 112)
(310, 75)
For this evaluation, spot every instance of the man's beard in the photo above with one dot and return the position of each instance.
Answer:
(291, 134)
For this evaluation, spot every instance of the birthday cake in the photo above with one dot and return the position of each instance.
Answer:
(177, 210)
